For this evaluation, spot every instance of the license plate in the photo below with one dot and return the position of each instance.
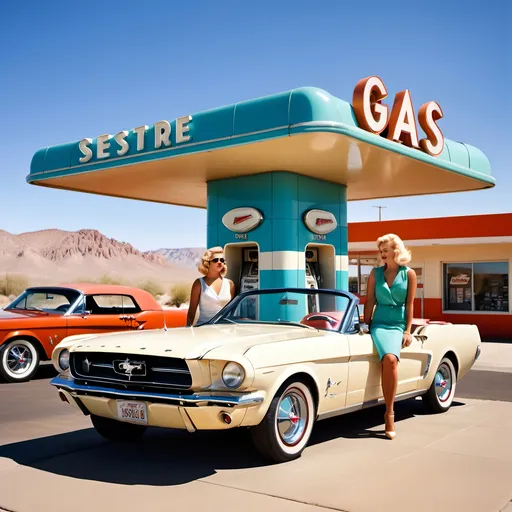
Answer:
(135, 412)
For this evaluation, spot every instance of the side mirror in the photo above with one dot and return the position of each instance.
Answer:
(362, 328)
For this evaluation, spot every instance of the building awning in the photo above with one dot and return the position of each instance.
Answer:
(307, 131)
(459, 230)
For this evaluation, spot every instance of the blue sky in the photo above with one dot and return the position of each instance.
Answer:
(71, 71)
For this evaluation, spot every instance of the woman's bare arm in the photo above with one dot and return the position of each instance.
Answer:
(195, 293)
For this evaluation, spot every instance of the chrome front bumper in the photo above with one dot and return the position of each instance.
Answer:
(194, 400)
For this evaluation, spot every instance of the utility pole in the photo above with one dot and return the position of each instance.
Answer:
(380, 210)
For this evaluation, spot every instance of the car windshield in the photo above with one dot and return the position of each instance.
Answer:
(47, 300)
(318, 309)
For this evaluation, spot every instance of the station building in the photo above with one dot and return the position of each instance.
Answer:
(463, 265)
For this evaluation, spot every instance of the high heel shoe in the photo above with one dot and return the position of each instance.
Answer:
(390, 434)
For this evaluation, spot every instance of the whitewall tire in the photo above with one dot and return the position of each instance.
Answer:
(19, 360)
(441, 392)
(285, 430)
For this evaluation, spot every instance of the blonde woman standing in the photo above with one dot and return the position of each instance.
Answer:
(213, 291)
(392, 288)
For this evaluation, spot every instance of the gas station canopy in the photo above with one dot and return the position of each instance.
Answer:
(306, 131)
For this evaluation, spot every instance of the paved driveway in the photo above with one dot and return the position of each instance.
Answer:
(52, 460)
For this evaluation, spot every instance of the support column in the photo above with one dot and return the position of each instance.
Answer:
(283, 198)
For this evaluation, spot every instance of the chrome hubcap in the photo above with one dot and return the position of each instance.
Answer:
(443, 382)
(292, 417)
(19, 359)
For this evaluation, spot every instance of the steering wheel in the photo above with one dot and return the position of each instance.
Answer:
(321, 316)
(62, 307)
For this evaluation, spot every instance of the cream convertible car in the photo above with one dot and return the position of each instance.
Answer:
(272, 360)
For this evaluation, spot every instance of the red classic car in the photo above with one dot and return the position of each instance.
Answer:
(41, 317)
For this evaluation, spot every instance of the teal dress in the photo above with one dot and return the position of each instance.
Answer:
(388, 323)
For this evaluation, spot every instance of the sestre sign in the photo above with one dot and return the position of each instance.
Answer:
(401, 126)
(116, 145)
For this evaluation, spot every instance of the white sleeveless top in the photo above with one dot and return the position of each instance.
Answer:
(209, 302)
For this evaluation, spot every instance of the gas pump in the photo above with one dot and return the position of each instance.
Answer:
(249, 273)
(313, 278)
(243, 269)
(320, 273)
(249, 280)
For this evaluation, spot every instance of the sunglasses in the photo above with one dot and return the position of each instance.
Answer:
(215, 260)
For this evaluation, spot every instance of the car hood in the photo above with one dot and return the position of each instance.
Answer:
(16, 316)
(190, 342)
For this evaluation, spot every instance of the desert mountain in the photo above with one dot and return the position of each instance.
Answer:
(55, 256)
(187, 256)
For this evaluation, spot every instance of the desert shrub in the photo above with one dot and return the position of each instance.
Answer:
(180, 294)
(85, 280)
(152, 287)
(12, 284)
(108, 279)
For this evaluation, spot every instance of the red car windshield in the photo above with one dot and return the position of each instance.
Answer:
(47, 300)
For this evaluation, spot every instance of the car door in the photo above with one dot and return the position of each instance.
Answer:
(102, 313)
(49, 327)
(365, 371)
(414, 361)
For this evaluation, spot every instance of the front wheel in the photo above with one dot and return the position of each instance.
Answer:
(19, 360)
(117, 430)
(441, 392)
(285, 430)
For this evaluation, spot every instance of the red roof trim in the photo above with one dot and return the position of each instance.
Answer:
(468, 226)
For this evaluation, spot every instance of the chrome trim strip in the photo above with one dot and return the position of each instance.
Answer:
(427, 368)
(81, 376)
(170, 370)
(368, 404)
(199, 399)
(339, 412)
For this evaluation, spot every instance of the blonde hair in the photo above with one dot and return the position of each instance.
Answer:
(204, 264)
(402, 255)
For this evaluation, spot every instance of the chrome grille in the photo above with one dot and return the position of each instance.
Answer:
(131, 370)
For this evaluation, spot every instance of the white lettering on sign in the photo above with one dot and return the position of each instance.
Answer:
(162, 134)
(460, 279)
(162, 138)
(86, 150)
(103, 145)
(182, 128)
(120, 139)
(140, 131)
(375, 117)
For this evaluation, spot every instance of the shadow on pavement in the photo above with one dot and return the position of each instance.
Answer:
(45, 371)
(173, 457)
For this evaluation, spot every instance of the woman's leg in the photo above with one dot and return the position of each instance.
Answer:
(389, 385)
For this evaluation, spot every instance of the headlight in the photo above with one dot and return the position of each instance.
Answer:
(233, 375)
(64, 359)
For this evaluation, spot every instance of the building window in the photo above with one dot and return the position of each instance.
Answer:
(476, 286)
(359, 270)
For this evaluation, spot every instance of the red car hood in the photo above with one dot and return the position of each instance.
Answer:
(19, 315)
